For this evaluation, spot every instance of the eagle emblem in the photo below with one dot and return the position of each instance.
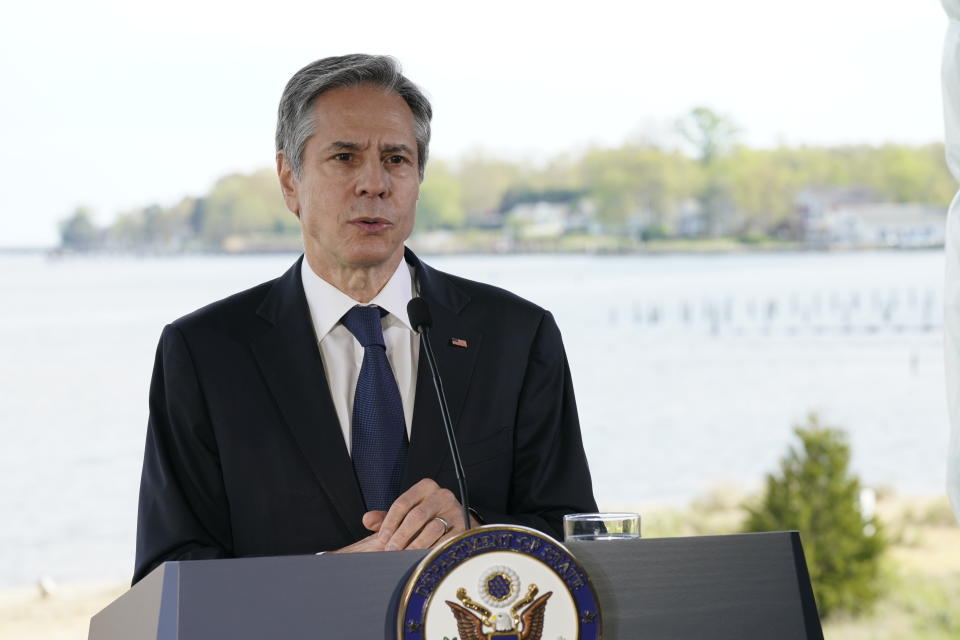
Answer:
(499, 588)
(470, 588)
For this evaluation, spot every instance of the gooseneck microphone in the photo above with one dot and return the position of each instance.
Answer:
(419, 313)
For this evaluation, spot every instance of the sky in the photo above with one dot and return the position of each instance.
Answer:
(115, 105)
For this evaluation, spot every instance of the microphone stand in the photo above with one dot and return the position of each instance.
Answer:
(447, 422)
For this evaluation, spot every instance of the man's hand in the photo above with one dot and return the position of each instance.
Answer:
(371, 520)
(370, 543)
(411, 522)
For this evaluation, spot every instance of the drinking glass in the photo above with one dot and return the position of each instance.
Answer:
(601, 526)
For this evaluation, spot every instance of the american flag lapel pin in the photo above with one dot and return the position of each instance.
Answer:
(459, 342)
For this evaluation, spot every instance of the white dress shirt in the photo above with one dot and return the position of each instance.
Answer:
(342, 355)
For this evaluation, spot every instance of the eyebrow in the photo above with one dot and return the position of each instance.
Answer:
(395, 148)
(342, 145)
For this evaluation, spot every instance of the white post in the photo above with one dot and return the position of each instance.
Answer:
(951, 327)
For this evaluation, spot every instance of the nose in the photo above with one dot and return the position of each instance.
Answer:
(373, 180)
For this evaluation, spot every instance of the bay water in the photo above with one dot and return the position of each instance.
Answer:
(690, 372)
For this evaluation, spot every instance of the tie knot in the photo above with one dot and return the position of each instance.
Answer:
(364, 324)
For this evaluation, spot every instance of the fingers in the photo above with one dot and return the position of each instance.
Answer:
(455, 526)
(416, 514)
(373, 519)
(430, 535)
(370, 543)
(402, 506)
(410, 523)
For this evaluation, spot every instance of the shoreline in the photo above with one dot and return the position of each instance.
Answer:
(693, 248)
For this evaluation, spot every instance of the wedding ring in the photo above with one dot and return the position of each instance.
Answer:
(446, 525)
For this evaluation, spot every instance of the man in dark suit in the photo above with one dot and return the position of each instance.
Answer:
(255, 445)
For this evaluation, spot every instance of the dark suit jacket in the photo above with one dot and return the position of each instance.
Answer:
(245, 455)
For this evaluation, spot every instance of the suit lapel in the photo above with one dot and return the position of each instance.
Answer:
(428, 444)
(290, 361)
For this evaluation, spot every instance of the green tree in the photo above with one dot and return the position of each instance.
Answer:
(763, 184)
(484, 180)
(816, 494)
(78, 232)
(440, 205)
(245, 204)
(912, 174)
(153, 227)
(711, 134)
(640, 184)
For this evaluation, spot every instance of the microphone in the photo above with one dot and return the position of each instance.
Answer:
(419, 313)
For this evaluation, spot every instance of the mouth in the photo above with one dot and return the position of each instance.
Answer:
(371, 224)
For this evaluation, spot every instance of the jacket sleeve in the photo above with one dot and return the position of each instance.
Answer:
(183, 512)
(551, 477)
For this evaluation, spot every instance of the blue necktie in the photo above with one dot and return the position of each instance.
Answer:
(379, 432)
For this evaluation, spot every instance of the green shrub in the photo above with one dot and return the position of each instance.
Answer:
(816, 494)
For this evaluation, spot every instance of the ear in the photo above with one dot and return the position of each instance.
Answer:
(288, 183)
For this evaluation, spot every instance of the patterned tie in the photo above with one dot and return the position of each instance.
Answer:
(379, 433)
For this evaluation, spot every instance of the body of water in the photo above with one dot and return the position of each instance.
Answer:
(690, 372)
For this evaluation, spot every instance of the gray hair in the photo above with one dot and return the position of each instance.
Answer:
(294, 118)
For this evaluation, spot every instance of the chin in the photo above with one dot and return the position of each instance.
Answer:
(373, 256)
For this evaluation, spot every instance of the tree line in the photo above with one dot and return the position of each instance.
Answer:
(641, 188)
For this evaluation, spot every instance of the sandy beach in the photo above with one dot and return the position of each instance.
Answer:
(28, 613)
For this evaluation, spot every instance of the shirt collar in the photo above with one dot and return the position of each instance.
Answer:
(328, 304)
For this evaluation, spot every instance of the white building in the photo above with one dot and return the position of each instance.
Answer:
(856, 218)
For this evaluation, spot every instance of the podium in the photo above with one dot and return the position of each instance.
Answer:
(737, 587)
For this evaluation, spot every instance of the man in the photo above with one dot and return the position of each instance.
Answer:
(294, 418)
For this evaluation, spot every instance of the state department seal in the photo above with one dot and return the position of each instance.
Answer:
(499, 582)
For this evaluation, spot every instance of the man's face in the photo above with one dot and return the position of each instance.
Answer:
(357, 193)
